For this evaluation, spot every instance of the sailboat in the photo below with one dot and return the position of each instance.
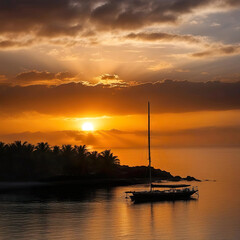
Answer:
(169, 192)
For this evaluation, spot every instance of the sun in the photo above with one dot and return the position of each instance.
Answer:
(87, 126)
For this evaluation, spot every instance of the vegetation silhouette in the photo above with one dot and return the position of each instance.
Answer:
(22, 161)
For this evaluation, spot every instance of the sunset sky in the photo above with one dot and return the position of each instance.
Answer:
(67, 62)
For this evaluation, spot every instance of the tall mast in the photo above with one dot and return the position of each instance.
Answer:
(149, 153)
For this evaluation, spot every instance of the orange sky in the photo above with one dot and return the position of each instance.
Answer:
(193, 129)
(64, 63)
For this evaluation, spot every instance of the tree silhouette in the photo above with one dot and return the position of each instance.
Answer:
(82, 159)
(24, 161)
(109, 158)
(19, 147)
(94, 162)
(2, 147)
(21, 161)
(108, 162)
(42, 147)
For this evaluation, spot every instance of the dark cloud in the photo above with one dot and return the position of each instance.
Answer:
(55, 30)
(160, 36)
(33, 76)
(53, 18)
(232, 3)
(127, 14)
(221, 50)
(5, 44)
(41, 16)
(76, 99)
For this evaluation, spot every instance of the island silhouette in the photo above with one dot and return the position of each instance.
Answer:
(75, 165)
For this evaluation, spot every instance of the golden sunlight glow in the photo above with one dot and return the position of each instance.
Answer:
(87, 126)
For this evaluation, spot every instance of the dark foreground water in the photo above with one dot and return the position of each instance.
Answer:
(106, 214)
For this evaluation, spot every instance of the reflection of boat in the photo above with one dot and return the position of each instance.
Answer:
(169, 192)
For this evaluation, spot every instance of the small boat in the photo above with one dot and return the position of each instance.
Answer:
(170, 192)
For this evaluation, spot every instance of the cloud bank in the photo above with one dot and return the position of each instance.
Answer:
(69, 17)
(161, 36)
(219, 51)
(76, 99)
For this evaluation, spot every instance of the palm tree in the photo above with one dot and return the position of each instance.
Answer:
(107, 163)
(43, 160)
(4, 158)
(21, 150)
(68, 156)
(67, 150)
(43, 147)
(56, 150)
(94, 155)
(17, 146)
(3, 147)
(24, 161)
(109, 158)
(82, 163)
(56, 161)
(81, 151)
(29, 148)
(93, 158)
(20, 164)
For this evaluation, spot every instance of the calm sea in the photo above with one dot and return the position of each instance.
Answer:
(106, 214)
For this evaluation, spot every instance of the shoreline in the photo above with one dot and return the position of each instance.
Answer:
(75, 185)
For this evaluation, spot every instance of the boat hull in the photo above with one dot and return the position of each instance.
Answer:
(152, 196)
